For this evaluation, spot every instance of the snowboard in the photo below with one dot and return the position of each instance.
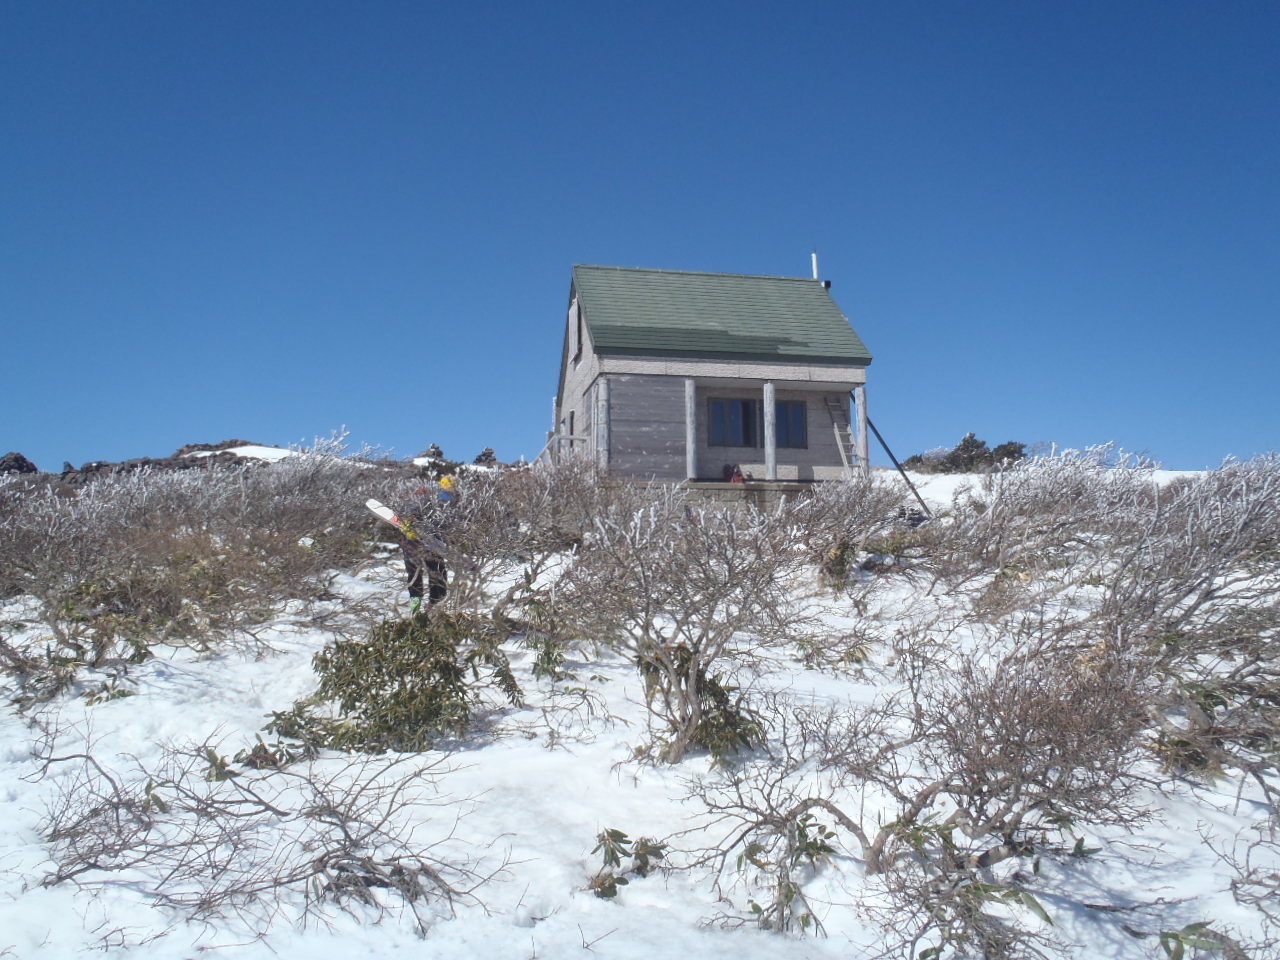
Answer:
(382, 511)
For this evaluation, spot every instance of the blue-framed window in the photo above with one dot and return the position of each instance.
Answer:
(792, 428)
(740, 423)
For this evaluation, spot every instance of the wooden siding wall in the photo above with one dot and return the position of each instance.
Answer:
(646, 428)
(647, 431)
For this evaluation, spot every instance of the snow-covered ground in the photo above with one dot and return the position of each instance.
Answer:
(524, 800)
(249, 452)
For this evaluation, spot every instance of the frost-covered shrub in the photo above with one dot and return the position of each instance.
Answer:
(688, 593)
(940, 787)
(1047, 519)
(185, 558)
(265, 846)
(554, 503)
(836, 524)
(1196, 585)
(1184, 578)
(1205, 553)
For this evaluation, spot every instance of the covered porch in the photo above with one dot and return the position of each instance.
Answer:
(773, 430)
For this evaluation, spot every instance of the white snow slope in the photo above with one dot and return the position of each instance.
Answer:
(523, 801)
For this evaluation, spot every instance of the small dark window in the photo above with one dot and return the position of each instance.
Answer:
(571, 423)
(577, 314)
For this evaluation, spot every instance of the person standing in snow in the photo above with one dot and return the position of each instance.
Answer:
(422, 545)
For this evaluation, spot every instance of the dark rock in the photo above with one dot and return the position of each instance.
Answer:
(217, 455)
(486, 458)
(13, 462)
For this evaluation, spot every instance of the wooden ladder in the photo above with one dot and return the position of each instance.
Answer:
(846, 442)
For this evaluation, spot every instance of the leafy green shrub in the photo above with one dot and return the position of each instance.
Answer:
(411, 683)
(726, 723)
(802, 843)
(614, 846)
(970, 455)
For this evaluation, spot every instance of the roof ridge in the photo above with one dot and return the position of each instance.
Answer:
(693, 273)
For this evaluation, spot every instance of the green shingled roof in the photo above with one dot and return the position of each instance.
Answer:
(715, 316)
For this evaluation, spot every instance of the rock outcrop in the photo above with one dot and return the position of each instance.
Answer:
(13, 462)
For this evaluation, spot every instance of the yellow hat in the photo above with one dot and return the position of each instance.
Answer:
(447, 484)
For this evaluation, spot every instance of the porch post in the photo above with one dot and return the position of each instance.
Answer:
(770, 432)
(602, 422)
(690, 429)
(864, 445)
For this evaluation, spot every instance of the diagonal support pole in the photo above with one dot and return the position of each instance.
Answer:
(925, 506)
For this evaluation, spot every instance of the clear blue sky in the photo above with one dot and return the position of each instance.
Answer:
(1050, 222)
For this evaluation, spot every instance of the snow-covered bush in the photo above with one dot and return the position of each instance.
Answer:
(554, 503)
(978, 762)
(1182, 578)
(1196, 586)
(987, 761)
(1048, 519)
(507, 528)
(185, 558)
(1080, 613)
(265, 846)
(688, 593)
(840, 521)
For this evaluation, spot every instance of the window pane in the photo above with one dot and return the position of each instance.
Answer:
(717, 429)
(733, 428)
(733, 423)
(792, 428)
(750, 433)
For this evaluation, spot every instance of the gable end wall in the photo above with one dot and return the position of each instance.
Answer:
(577, 396)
